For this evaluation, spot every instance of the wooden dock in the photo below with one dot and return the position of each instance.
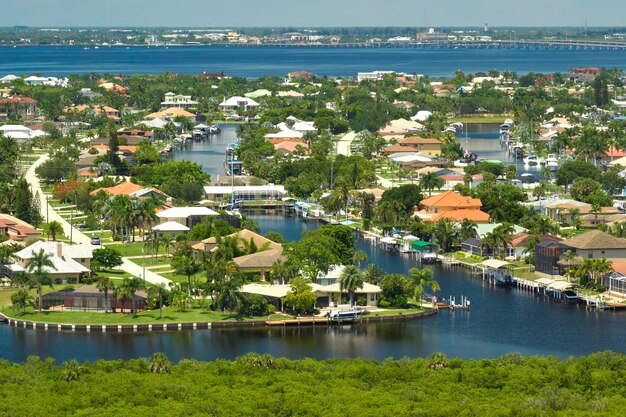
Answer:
(304, 321)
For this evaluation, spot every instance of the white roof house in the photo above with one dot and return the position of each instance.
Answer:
(170, 228)
(17, 132)
(421, 115)
(284, 133)
(185, 212)
(8, 78)
(246, 192)
(70, 261)
(238, 102)
(178, 100)
(36, 80)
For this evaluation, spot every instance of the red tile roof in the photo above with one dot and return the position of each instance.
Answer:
(452, 199)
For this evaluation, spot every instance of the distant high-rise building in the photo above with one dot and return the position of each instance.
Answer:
(486, 28)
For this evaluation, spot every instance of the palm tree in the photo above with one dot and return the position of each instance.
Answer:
(21, 299)
(422, 278)
(445, 234)
(430, 181)
(185, 262)
(53, 228)
(159, 364)
(595, 210)
(105, 284)
(467, 229)
(373, 274)
(21, 278)
(126, 291)
(38, 266)
(160, 292)
(350, 280)
(359, 257)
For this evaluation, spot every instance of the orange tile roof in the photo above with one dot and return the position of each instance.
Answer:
(129, 148)
(86, 173)
(399, 148)
(475, 215)
(289, 146)
(452, 199)
(125, 188)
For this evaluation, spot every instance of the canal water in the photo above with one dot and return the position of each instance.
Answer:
(499, 322)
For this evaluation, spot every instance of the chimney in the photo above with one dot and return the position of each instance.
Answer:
(59, 253)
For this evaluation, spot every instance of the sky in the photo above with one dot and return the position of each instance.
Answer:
(275, 13)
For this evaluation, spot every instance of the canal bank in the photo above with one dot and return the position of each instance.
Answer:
(185, 326)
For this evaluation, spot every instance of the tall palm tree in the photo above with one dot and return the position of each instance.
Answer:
(105, 284)
(373, 274)
(350, 280)
(126, 291)
(160, 291)
(430, 181)
(53, 228)
(185, 262)
(422, 278)
(39, 267)
(467, 229)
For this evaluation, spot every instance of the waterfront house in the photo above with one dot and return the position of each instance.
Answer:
(597, 244)
(15, 229)
(452, 205)
(178, 100)
(188, 216)
(517, 249)
(260, 262)
(326, 295)
(7, 79)
(18, 107)
(71, 262)
(237, 103)
(268, 192)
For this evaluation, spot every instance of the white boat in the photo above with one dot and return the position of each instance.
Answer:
(531, 160)
(552, 161)
(345, 314)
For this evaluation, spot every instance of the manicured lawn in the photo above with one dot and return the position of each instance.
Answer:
(133, 249)
(182, 278)
(152, 316)
(116, 274)
(396, 311)
(149, 261)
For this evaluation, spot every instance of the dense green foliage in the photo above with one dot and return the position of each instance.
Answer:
(256, 385)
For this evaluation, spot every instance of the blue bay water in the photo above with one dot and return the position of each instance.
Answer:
(255, 61)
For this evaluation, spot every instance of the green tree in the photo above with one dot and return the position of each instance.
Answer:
(21, 299)
(185, 262)
(445, 234)
(301, 299)
(106, 258)
(39, 266)
(159, 364)
(104, 285)
(431, 181)
(422, 278)
(53, 228)
(160, 292)
(350, 280)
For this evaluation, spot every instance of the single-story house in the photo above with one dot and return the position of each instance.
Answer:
(70, 262)
(170, 229)
(188, 216)
(16, 229)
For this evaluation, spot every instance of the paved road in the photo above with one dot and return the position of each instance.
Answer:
(77, 235)
(343, 144)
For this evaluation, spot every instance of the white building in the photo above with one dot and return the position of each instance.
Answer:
(170, 229)
(8, 79)
(188, 216)
(178, 100)
(50, 81)
(70, 262)
(20, 133)
(237, 103)
(245, 192)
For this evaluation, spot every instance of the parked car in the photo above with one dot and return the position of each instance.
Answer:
(95, 240)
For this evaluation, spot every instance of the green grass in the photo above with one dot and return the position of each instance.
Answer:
(181, 278)
(116, 274)
(144, 317)
(149, 261)
(390, 312)
(133, 249)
